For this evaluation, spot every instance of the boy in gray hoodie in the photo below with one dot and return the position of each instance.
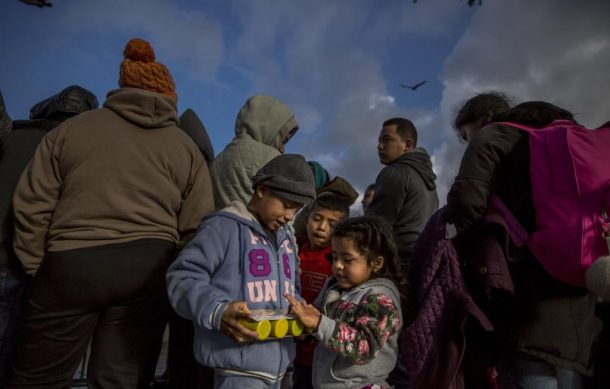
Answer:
(244, 257)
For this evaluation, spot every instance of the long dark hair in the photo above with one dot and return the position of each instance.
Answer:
(374, 237)
(535, 114)
(480, 109)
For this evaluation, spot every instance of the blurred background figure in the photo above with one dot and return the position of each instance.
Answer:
(369, 192)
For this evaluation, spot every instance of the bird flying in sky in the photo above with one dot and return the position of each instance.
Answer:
(37, 3)
(413, 87)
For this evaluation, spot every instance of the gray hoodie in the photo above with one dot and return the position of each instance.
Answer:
(261, 125)
(376, 339)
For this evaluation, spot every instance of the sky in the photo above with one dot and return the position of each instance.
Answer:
(337, 63)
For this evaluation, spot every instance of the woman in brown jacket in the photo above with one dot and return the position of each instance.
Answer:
(100, 211)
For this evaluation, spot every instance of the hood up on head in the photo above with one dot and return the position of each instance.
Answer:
(266, 120)
(69, 102)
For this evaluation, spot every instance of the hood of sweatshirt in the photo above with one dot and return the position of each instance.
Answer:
(239, 212)
(419, 160)
(192, 125)
(69, 102)
(377, 285)
(145, 109)
(266, 120)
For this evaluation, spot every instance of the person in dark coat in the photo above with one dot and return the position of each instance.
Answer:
(405, 196)
(183, 371)
(405, 190)
(547, 329)
(479, 111)
(18, 147)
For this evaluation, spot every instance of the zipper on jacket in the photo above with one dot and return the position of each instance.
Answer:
(275, 248)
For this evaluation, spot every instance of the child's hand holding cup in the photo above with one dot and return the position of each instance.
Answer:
(230, 322)
(306, 313)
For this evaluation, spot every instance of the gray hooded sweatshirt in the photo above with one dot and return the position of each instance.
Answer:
(358, 334)
(233, 259)
(261, 125)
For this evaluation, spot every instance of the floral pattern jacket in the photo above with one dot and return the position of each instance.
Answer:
(358, 334)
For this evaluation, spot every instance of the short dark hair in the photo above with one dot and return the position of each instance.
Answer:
(369, 188)
(480, 107)
(404, 127)
(331, 202)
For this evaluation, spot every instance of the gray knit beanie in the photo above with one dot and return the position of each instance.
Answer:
(598, 277)
(289, 177)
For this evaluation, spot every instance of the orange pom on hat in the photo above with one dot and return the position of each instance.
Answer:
(140, 70)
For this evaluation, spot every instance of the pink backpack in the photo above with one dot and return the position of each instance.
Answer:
(570, 175)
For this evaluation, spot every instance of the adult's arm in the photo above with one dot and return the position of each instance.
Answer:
(198, 200)
(34, 201)
(469, 195)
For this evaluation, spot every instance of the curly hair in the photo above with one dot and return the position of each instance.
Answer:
(374, 237)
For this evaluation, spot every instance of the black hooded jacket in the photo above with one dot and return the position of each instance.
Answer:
(19, 146)
(405, 196)
(192, 125)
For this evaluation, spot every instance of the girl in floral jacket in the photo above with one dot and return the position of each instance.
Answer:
(359, 313)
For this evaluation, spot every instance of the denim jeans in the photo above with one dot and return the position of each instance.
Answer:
(12, 284)
(530, 373)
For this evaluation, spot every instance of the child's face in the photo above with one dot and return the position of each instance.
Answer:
(350, 265)
(320, 225)
(273, 211)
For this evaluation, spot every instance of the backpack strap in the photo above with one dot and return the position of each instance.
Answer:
(517, 125)
(517, 233)
(529, 130)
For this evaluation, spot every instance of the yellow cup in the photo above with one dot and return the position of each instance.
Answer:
(262, 327)
(295, 327)
(279, 328)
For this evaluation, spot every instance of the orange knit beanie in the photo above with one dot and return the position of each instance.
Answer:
(140, 70)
